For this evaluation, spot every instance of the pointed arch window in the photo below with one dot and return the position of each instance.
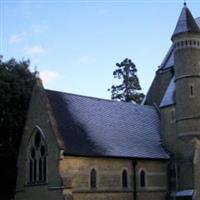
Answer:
(37, 158)
(142, 178)
(93, 178)
(124, 179)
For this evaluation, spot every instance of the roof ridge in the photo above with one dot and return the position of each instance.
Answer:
(97, 98)
(80, 95)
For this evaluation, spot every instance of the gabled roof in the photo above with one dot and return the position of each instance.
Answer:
(186, 23)
(96, 127)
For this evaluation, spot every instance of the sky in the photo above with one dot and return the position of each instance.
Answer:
(75, 44)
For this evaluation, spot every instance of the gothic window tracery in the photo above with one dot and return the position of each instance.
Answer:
(37, 158)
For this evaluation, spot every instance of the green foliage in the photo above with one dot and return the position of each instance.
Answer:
(16, 83)
(128, 89)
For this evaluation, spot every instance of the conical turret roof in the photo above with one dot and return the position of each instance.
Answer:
(186, 23)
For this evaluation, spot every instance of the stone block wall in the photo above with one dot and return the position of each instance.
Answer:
(75, 172)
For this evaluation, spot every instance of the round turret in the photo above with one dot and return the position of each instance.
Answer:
(186, 41)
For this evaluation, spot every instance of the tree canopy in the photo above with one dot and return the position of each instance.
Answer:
(16, 83)
(129, 88)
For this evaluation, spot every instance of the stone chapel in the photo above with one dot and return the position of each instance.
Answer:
(83, 148)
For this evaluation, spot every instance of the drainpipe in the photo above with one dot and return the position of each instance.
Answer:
(134, 163)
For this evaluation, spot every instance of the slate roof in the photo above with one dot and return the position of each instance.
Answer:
(168, 60)
(95, 127)
(168, 98)
(186, 23)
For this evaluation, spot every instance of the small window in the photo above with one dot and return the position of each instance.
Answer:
(124, 179)
(191, 88)
(186, 42)
(142, 178)
(93, 178)
(172, 116)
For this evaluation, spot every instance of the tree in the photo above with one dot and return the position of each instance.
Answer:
(16, 83)
(128, 89)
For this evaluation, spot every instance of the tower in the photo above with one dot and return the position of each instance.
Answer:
(186, 42)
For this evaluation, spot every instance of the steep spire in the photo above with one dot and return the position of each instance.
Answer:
(186, 23)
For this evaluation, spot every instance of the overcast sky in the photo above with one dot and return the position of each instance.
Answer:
(75, 44)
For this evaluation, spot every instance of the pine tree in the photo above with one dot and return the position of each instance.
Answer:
(128, 89)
